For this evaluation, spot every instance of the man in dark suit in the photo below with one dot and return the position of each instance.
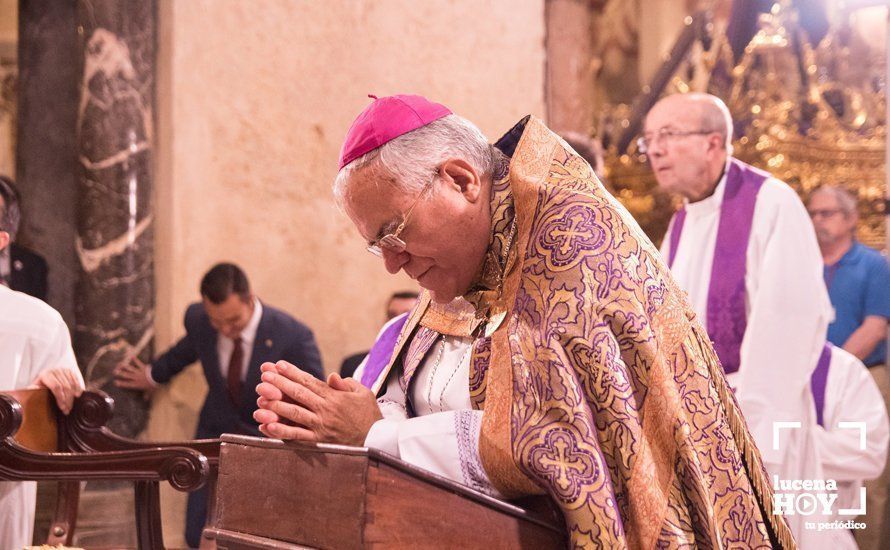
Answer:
(28, 272)
(20, 269)
(230, 326)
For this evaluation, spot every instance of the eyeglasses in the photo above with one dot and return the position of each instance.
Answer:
(391, 241)
(824, 212)
(645, 142)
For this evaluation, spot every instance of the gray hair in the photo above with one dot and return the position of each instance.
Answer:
(715, 117)
(10, 213)
(411, 161)
(846, 201)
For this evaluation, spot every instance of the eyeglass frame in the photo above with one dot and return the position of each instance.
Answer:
(392, 241)
(825, 213)
(643, 142)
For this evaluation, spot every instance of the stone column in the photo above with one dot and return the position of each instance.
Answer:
(569, 70)
(114, 310)
(45, 160)
(46, 148)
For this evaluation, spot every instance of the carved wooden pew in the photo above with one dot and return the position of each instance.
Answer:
(280, 495)
(38, 443)
(88, 432)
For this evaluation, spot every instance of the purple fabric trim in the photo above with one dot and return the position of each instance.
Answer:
(818, 382)
(727, 319)
(381, 352)
(676, 230)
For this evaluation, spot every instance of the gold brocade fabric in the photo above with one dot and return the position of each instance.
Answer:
(486, 291)
(598, 385)
(609, 395)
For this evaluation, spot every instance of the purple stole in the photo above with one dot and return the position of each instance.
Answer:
(818, 382)
(381, 352)
(726, 315)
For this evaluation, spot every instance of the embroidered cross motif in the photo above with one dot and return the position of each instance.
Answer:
(572, 233)
(570, 467)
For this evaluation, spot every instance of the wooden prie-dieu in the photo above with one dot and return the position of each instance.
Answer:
(272, 494)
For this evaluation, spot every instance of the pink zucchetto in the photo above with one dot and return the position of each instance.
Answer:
(386, 119)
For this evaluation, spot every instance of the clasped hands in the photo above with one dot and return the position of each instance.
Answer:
(293, 404)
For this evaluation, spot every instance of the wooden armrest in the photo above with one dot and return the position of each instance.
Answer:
(96, 454)
(185, 469)
(87, 431)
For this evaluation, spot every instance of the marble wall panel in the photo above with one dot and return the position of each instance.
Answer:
(115, 233)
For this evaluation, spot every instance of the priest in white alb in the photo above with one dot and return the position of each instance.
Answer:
(35, 351)
(744, 249)
(852, 437)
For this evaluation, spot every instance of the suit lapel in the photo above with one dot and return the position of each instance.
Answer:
(213, 369)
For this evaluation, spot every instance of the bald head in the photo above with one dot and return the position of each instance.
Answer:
(706, 110)
(688, 138)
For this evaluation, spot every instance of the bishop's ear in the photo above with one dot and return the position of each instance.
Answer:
(463, 177)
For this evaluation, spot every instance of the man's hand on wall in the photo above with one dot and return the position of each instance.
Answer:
(133, 374)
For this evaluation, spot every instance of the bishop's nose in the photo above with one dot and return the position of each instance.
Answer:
(394, 261)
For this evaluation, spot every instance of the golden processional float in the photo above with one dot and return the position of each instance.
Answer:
(810, 114)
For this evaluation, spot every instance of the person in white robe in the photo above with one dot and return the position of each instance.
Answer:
(687, 139)
(35, 351)
(847, 397)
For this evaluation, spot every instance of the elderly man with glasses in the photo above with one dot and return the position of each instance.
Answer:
(550, 353)
(743, 247)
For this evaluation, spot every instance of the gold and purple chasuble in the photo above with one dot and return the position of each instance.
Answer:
(598, 385)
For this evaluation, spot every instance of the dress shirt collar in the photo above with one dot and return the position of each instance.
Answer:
(248, 335)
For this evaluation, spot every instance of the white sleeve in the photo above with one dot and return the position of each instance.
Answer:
(54, 353)
(384, 434)
(445, 443)
(851, 395)
(788, 315)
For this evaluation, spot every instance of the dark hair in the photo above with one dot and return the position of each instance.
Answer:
(403, 295)
(222, 281)
(10, 214)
